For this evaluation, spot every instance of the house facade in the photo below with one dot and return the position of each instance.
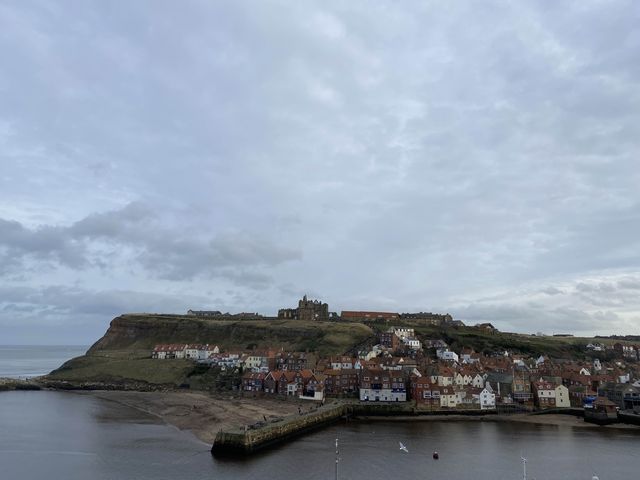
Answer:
(383, 386)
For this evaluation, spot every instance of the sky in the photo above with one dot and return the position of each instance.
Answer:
(475, 158)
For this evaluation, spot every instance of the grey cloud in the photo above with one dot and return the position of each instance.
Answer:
(44, 243)
(629, 284)
(552, 291)
(537, 317)
(70, 315)
(169, 253)
(119, 224)
(80, 303)
(404, 154)
(600, 287)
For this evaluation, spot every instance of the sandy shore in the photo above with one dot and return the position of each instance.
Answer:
(202, 414)
(550, 419)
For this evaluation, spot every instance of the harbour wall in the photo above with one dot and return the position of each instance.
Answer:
(254, 438)
(630, 418)
(251, 440)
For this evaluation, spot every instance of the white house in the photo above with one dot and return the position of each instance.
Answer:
(446, 354)
(254, 362)
(445, 378)
(463, 379)
(197, 351)
(402, 332)
(382, 386)
(342, 363)
(448, 397)
(292, 388)
(597, 366)
(316, 395)
(166, 351)
(478, 381)
(469, 358)
(487, 398)
(373, 353)
(191, 351)
(412, 342)
(562, 397)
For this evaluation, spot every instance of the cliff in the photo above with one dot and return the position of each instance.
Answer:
(122, 357)
(136, 332)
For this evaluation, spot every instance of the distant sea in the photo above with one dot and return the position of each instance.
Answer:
(26, 361)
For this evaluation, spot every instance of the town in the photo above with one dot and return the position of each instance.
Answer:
(403, 366)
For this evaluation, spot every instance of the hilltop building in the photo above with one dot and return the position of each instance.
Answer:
(204, 313)
(428, 318)
(307, 310)
(358, 316)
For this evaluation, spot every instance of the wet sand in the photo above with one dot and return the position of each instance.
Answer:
(202, 414)
(544, 419)
(554, 419)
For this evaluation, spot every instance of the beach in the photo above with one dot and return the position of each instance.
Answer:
(200, 413)
(206, 414)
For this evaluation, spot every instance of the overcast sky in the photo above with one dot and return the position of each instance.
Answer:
(477, 158)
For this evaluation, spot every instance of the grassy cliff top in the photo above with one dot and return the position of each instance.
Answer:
(123, 353)
(144, 331)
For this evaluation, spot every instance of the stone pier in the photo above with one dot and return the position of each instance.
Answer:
(251, 439)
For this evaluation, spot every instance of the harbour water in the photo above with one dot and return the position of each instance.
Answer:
(45, 434)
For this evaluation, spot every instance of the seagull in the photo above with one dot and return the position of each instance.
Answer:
(403, 448)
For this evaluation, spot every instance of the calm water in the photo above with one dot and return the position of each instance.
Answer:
(72, 436)
(60, 435)
(18, 361)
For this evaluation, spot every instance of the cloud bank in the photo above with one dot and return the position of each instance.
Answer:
(475, 159)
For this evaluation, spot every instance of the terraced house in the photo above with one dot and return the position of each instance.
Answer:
(383, 386)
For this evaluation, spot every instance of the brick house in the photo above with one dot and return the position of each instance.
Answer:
(383, 386)
(253, 382)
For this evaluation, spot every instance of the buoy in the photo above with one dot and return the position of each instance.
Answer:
(435, 455)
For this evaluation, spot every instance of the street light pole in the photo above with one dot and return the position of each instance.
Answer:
(337, 459)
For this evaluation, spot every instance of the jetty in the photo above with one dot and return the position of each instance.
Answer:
(250, 438)
(263, 434)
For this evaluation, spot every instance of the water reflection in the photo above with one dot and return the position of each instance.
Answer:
(71, 436)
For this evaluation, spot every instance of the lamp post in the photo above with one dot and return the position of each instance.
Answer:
(337, 457)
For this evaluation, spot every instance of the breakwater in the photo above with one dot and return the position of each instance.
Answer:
(252, 438)
(18, 384)
(264, 434)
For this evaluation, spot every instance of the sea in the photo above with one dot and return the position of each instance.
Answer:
(26, 361)
(66, 435)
